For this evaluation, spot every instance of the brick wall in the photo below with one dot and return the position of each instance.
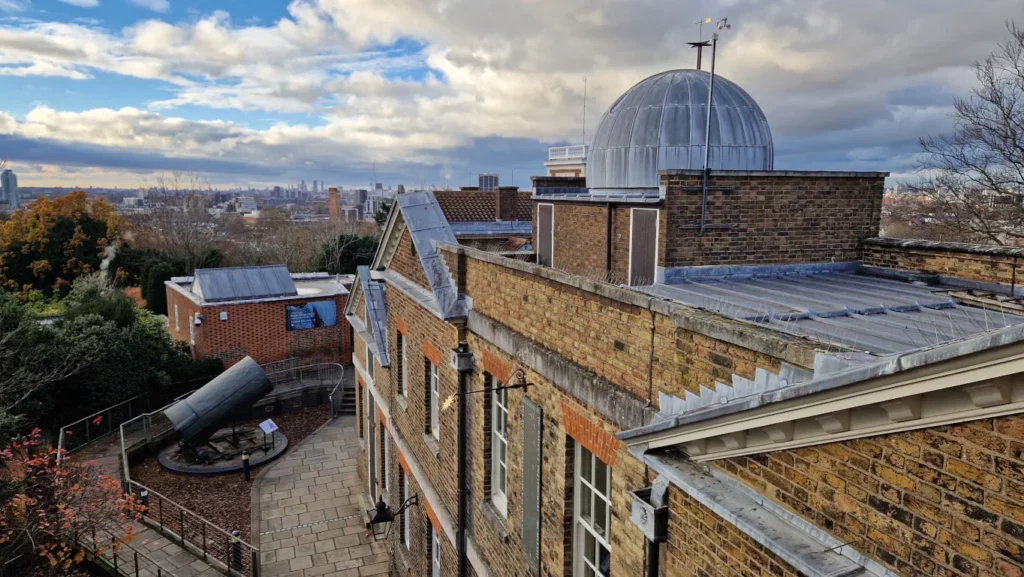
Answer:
(941, 501)
(579, 238)
(260, 330)
(702, 544)
(505, 557)
(610, 338)
(774, 218)
(984, 263)
(407, 263)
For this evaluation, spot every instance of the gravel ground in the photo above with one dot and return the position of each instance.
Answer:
(224, 499)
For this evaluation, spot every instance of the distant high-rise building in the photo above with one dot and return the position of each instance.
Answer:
(315, 189)
(9, 188)
(379, 187)
(334, 203)
(488, 182)
(401, 189)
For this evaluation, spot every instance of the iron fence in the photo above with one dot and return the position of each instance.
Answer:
(207, 541)
(98, 425)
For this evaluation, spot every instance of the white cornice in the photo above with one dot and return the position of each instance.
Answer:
(951, 392)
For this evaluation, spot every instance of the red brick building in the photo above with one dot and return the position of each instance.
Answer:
(262, 312)
(810, 400)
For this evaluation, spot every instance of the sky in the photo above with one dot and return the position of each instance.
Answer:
(432, 92)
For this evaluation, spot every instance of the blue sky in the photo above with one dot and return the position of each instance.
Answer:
(116, 92)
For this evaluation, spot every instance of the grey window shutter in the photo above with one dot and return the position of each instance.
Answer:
(533, 424)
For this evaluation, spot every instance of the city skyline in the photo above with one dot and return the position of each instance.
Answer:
(112, 92)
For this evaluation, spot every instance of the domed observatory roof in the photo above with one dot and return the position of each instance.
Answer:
(659, 124)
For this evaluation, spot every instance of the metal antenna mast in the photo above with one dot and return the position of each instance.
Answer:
(584, 110)
(701, 44)
(723, 24)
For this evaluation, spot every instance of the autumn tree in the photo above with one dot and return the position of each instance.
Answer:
(974, 177)
(180, 227)
(50, 243)
(47, 512)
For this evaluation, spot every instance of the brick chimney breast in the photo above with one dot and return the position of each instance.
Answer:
(505, 197)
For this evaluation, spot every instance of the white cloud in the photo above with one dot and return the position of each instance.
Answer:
(829, 73)
(82, 3)
(14, 5)
(154, 5)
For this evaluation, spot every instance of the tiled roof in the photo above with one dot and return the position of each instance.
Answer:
(479, 205)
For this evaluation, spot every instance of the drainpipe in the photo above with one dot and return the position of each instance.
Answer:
(608, 244)
(650, 514)
(462, 360)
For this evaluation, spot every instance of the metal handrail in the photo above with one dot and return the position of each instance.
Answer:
(132, 568)
(299, 370)
(239, 556)
(110, 427)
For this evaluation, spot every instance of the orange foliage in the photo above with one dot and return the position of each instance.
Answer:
(44, 507)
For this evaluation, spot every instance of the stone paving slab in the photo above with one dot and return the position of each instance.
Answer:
(310, 521)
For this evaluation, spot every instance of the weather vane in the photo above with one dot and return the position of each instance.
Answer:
(701, 43)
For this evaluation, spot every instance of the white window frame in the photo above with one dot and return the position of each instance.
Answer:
(403, 377)
(499, 447)
(369, 361)
(406, 525)
(657, 234)
(435, 401)
(177, 320)
(191, 330)
(583, 525)
(435, 553)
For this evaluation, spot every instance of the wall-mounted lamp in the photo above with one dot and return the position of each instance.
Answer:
(381, 517)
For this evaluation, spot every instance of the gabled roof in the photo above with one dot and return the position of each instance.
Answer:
(243, 283)
(421, 215)
(375, 330)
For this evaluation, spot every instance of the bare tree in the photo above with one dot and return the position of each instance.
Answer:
(180, 226)
(975, 176)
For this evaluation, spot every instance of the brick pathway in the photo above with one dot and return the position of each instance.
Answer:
(310, 522)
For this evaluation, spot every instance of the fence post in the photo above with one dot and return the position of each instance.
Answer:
(136, 564)
(204, 541)
(181, 526)
(254, 563)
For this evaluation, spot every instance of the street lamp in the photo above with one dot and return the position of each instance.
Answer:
(382, 517)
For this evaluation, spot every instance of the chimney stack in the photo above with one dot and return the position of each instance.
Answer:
(506, 202)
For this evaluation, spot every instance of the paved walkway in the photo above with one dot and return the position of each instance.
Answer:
(310, 522)
(164, 554)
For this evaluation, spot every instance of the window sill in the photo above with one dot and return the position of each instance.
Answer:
(403, 553)
(362, 445)
(432, 444)
(402, 402)
(496, 520)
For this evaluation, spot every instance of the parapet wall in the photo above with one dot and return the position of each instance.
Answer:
(998, 266)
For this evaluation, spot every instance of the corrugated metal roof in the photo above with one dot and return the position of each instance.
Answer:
(243, 283)
(660, 124)
(861, 312)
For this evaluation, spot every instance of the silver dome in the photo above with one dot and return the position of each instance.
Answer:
(659, 124)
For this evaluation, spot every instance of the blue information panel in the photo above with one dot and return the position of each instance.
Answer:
(311, 315)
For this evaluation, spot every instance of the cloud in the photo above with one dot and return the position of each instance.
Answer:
(415, 83)
(154, 5)
(14, 5)
(82, 3)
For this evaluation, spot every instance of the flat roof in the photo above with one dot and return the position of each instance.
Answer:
(307, 286)
(850, 310)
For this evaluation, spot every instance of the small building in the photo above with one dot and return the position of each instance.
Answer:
(497, 220)
(263, 312)
(567, 160)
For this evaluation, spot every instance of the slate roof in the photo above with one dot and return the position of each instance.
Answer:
(376, 313)
(862, 312)
(426, 224)
(479, 205)
(502, 228)
(243, 283)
